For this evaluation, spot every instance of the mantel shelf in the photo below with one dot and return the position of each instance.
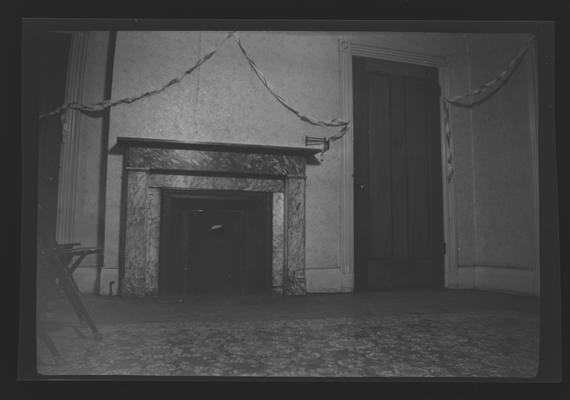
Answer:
(216, 146)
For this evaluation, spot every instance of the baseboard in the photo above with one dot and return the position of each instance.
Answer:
(86, 277)
(109, 285)
(509, 280)
(331, 280)
(519, 281)
(461, 278)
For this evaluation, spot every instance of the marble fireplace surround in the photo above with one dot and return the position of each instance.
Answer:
(152, 165)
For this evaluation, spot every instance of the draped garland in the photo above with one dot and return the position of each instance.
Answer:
(487, 89)
(105, 104)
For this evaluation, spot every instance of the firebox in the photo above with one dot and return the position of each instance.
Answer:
(215, 242)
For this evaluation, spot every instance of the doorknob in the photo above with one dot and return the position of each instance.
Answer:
(362, 186)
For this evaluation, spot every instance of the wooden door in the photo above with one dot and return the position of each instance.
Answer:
(397, 176)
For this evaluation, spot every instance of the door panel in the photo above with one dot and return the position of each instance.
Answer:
(397, 171)
(380, 156)
(418, 165)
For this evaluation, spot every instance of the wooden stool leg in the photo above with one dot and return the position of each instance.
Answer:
(48, 342)
(79, 307)
(61, 271)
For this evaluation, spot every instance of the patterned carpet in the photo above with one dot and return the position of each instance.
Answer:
(467, 344)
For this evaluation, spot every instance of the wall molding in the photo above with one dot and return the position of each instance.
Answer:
(507, 280)
(69, 155)
(519, 281)
(317, 268)
(498, 266)
(365, 50)
(348, 49)
(449, 220)
(531, 72)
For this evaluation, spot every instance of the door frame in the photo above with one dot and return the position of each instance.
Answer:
(348, 49)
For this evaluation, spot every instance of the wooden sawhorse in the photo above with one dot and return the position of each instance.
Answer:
(57, 272)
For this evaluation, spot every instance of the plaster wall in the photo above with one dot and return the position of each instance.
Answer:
(504, 200)
(224, 102)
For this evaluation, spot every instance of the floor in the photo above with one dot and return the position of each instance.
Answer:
(451, 333)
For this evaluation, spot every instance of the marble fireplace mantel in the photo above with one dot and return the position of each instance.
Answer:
(153, 165)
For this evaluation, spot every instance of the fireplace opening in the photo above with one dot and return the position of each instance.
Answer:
(215, 242)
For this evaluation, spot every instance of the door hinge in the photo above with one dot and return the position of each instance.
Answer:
(444, 248)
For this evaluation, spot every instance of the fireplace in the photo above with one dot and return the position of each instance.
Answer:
(252, 189)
